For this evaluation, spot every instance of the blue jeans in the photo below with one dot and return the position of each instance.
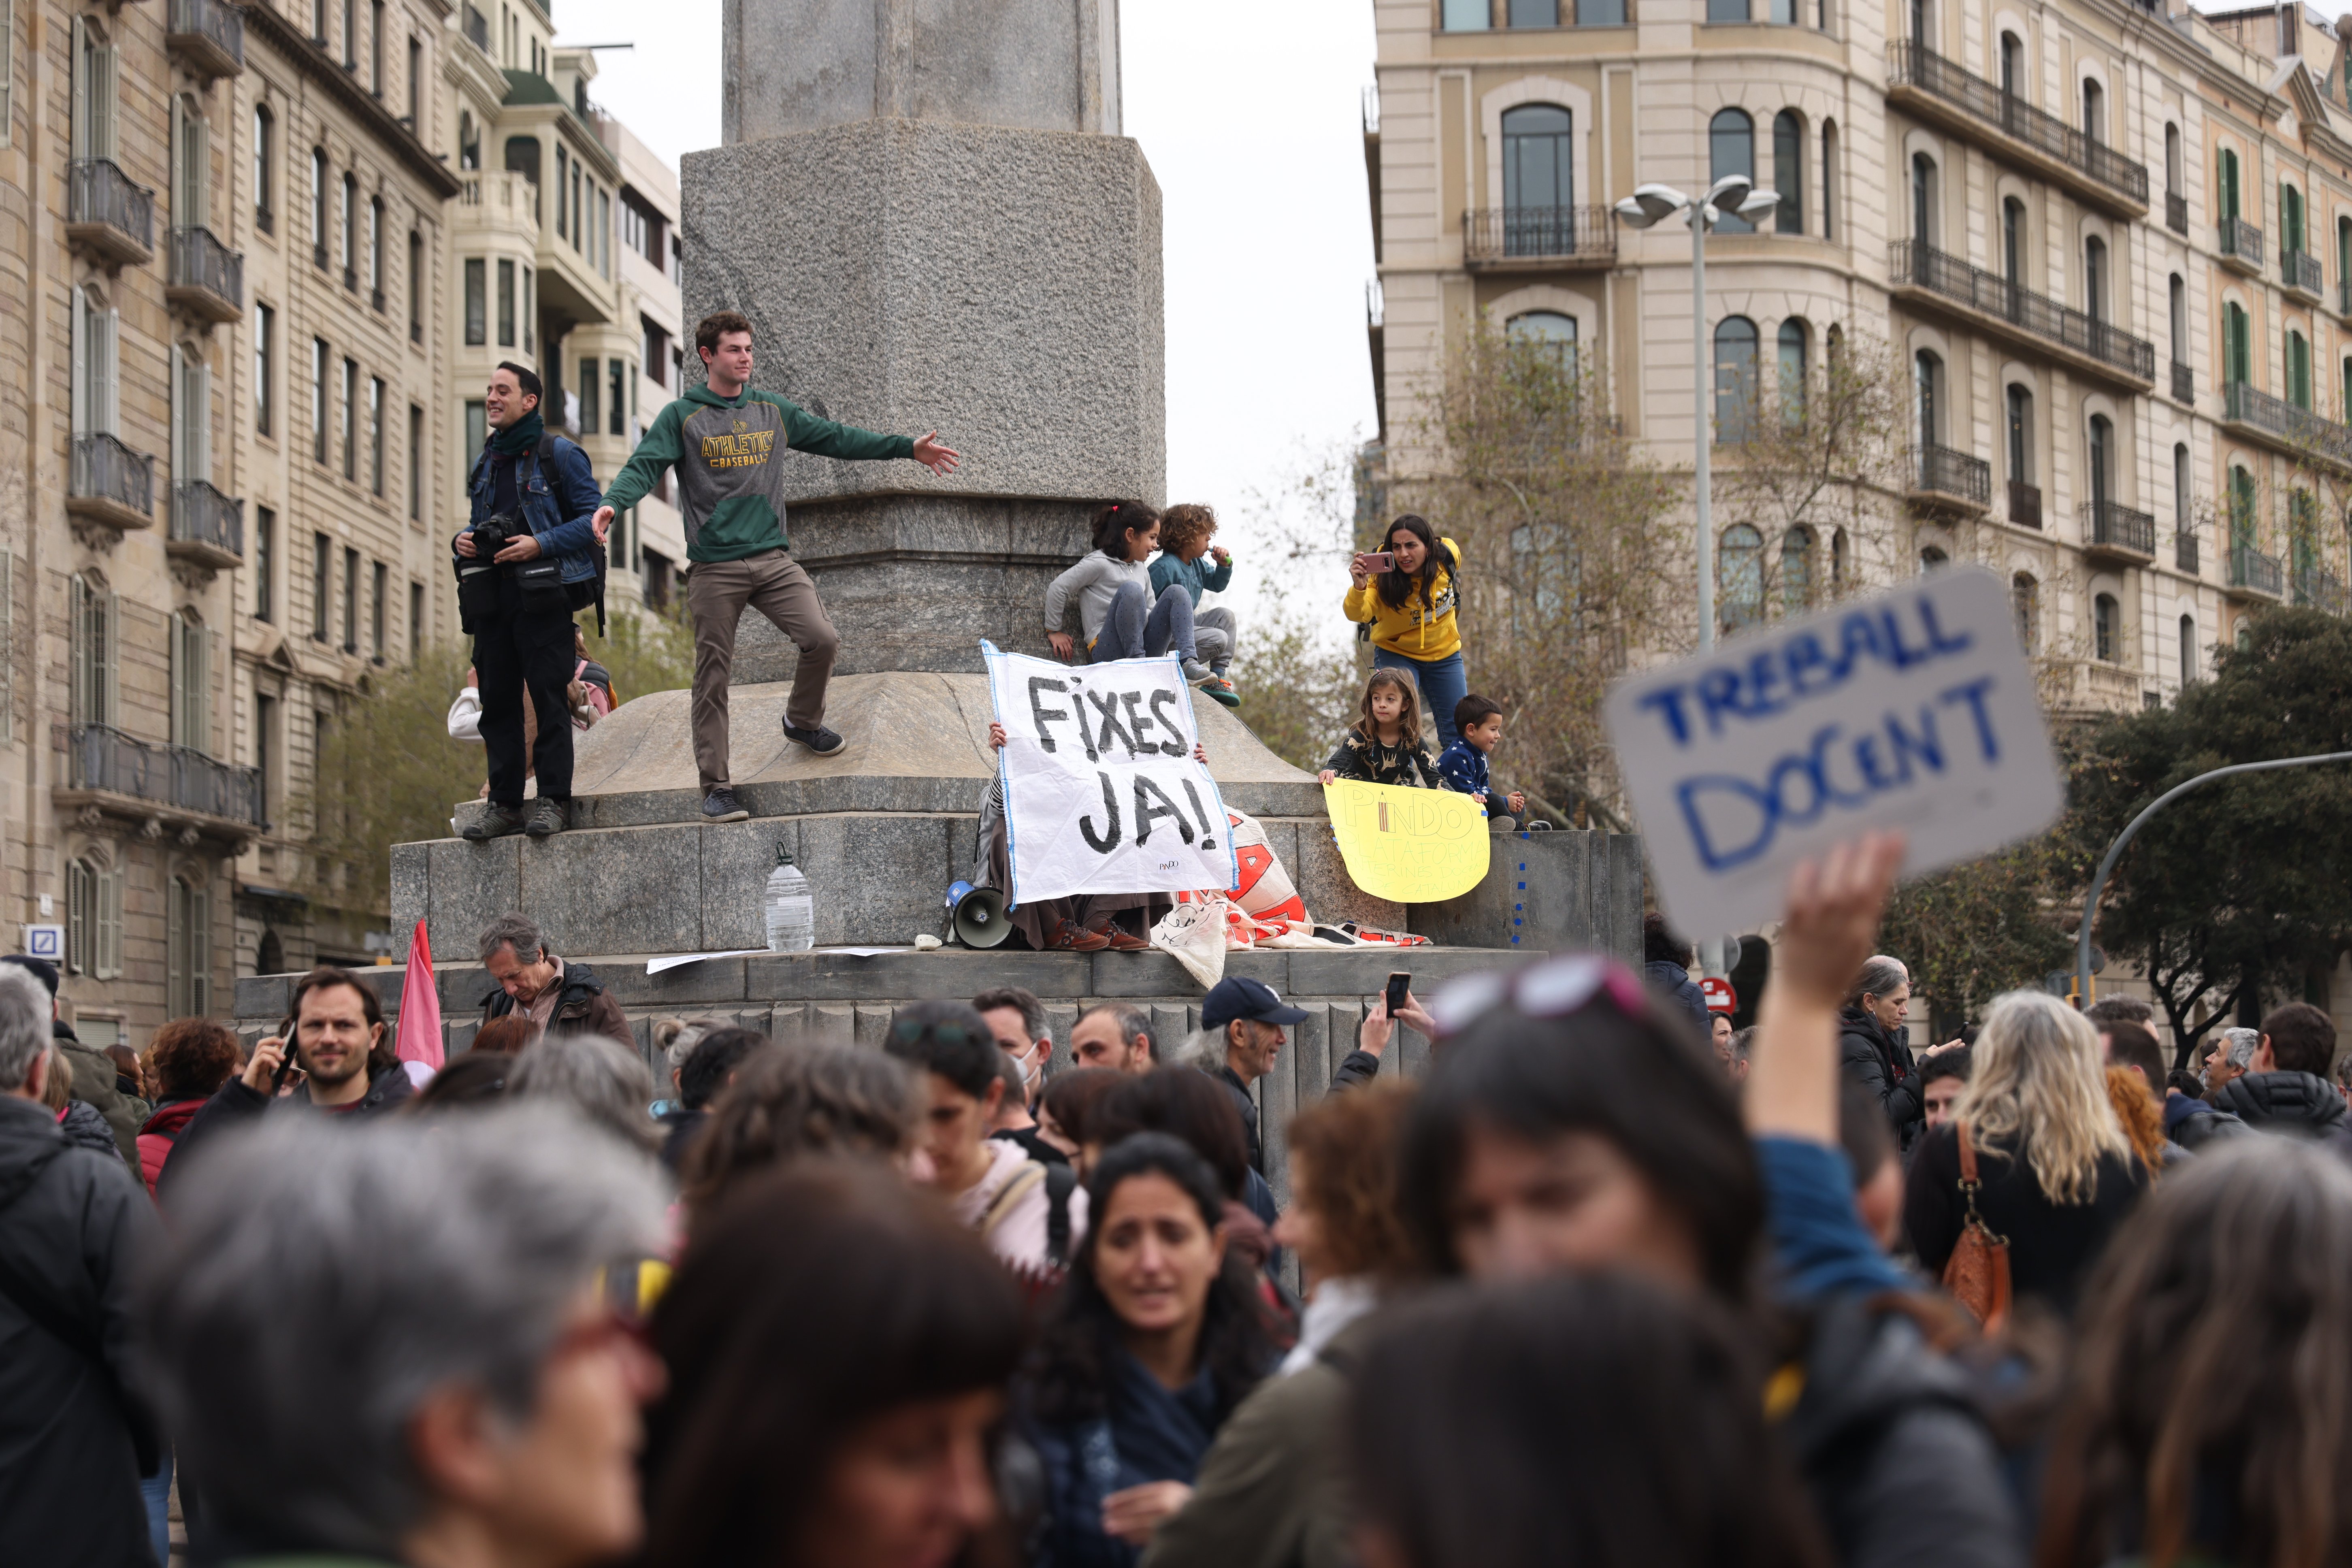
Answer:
(1131, 632)
(1442, 684)
(156, 1489)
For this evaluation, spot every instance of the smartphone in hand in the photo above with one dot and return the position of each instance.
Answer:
(1377, 560)
(1400, 987)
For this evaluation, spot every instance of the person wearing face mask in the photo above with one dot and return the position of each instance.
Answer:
(1874, 1046)
(1156, 1337)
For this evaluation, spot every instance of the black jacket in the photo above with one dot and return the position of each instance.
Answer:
(1676, 981)
(94, 1084)
(1233, 1085)
(75, 1432)
(234, 1105)
(1879, 1416)
(581, 1004)
(2299, 1104)
(2052, 1247)
(1882, 1065)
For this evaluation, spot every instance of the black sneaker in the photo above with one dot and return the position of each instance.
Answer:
(495, 822)
(721, 805)
(546, 818)
(821, 741)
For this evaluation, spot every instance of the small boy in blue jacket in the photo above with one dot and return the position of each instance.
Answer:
(1463, 765)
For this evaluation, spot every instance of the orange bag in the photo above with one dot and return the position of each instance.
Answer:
(1977, 1274)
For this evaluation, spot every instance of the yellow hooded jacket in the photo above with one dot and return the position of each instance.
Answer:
(1407, 628)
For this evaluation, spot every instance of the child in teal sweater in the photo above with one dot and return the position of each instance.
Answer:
(1186, 560)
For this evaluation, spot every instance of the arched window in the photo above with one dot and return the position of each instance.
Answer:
(2106, 628)
(2094, 111)
(93, 649)
(2188, 650)
(319, 228)
(1933, 558)
(2102, 460)
(265, 168)
(2179, 317)
(2298, 369)
(2229, 183)
(188, 949)
(2013, 65)
(2012, 241)
(1923, 198)
(469, 140)
(270, 956)
(1735, 378)
(1792, 371)
(1740, 573)
(2242, 508)
(2343, 254)
(350, 217)
(1797, 570)
(2290, 218)
(2181, 483)
(1546, 331)
(415, 287)
(192, 181)
(2095, 279)
(1731, 150)
(1830, 177)
(2237, 344)
(1538, 181)
(1927, 377)
(94, 916)
(2025, 604)
(1788, 171)
(192, 683)
(2171, 158)
(375, 249)
(1841, 567)
(2020, 410)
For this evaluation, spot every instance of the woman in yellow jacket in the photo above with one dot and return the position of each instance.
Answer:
(1411, 612)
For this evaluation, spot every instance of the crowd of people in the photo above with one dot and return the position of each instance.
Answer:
(1603, 1287)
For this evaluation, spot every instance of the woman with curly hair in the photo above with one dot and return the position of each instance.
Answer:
(1188, 560)
(188, 1061)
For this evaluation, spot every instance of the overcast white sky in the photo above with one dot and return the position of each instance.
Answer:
(1249, 112)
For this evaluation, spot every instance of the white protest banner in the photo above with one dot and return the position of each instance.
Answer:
(1912, 709)
(1101, 793)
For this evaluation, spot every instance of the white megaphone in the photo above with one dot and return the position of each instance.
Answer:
(976, 915)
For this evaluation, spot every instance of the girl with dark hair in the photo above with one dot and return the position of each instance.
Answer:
(1156, 1336)
(2205, 1423)
(1193, 1108)
(1574, 1122)
(1384, 744)
(1120, 615)
(1411, 607)
(1588, 1419)
(838, 1349)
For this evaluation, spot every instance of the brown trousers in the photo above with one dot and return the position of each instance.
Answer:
(716, 594)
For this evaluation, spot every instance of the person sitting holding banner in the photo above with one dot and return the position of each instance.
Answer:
(1119, 614)
(1384, 746)
(1087, 923)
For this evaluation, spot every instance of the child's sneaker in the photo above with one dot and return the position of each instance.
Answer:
(1218, 687)
(1196, 671)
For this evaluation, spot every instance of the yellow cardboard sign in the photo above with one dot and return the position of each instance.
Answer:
(1409, 846)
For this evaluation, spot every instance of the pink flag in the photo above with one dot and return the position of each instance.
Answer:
(420, 1009)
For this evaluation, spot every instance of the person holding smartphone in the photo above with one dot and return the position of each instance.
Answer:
(1407, 590)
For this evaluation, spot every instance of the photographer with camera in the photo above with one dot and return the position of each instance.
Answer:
(528, 560)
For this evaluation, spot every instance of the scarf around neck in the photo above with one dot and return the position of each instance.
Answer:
(520, 436)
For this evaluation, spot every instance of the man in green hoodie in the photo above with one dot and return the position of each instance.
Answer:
(723, 439)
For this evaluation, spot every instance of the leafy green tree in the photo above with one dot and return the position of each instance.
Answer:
(1969, 932)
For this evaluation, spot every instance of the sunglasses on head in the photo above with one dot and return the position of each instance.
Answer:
(1554, 989)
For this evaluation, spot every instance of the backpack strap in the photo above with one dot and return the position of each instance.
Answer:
(545, 458)
(1001, 1207)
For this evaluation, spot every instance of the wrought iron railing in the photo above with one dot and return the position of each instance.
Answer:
(2255, 571)
(202, 515)
(103, 468)
(224, 25)
(2300, 427)
(104, 758)
(2316, 588)
(2175, 213)
(1923, 267)
(2298, 271)
(2112, 525)
(98, 191)
(2243, 240)
(1947, 471)
(2184, 551)
(1912, 64)
(199, 260)
(1495, 234)
(2024, 504)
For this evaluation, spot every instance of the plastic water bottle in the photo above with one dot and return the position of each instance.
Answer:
(792, 910)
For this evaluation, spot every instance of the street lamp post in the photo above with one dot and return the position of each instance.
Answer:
(1652, 204)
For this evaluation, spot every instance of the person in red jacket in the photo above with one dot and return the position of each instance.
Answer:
(188, 1061)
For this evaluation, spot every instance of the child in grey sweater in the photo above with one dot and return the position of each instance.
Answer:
(1118, 618)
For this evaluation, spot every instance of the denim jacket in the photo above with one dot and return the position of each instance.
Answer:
(569, 538)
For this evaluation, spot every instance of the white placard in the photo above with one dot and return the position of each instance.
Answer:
(1101, 793)
(1912, 709)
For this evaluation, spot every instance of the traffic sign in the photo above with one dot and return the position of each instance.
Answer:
(1720, 997)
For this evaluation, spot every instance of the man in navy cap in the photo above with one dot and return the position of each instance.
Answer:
(1247, 1016)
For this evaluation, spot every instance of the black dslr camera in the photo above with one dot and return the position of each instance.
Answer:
(478, 574)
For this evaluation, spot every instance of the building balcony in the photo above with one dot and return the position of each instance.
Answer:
(1933, 87)
(2277, 423)
(1922, 276)
(2317, 590)
(106, 217)
(2175, 213)
(208, 527)
(2240, 244)
(2184, 551)
(169, 787)
(2117, 533)
(1538, 238)
(2024, 504)
(2184, 383)
(206, 35)
(2301, 273)
(1944, 480)
(2254, 574)
(207, 278)
(109, 483)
